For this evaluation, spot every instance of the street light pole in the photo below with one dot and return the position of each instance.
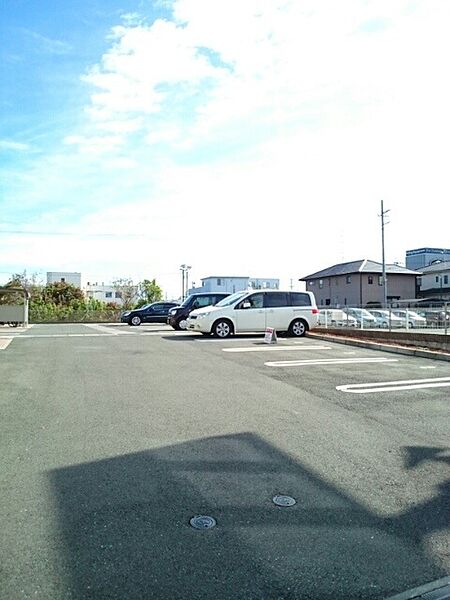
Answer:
(182, 268)
(184, 279)
(187, 278)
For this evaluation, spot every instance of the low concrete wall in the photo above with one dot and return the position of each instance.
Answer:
(433, 341)
(13, 312)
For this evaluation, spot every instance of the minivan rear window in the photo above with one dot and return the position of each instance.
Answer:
(299, 299)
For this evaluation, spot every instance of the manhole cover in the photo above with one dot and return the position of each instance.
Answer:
(203, 522)
(280, 500)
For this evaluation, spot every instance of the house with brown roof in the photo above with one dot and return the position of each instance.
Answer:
(360, 283)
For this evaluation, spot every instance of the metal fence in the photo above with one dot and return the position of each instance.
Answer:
(396, 317)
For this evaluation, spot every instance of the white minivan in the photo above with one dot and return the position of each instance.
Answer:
(253, 311)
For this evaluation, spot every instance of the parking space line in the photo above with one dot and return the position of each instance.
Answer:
(387, 386)
(206, 340)
(103, 329)
(5, 342)
(275, 348)
(327, 361)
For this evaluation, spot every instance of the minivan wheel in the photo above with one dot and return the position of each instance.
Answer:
(135, 320)
(222, 329)
(298, 328)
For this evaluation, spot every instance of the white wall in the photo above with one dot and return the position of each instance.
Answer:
(57, 276)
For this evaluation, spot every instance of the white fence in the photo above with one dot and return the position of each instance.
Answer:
(394, 318)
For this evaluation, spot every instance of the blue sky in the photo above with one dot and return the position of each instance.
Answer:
(240, 138)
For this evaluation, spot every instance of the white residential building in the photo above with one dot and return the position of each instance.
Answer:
(104, 293)
(231, 284)
(435, 281)
(64, 277)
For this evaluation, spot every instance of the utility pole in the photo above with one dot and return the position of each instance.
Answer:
(383, 214)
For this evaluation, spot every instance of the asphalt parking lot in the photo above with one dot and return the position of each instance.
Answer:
(113, 437)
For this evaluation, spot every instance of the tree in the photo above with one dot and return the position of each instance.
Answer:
(62, 294)
(149, 291)
(128, 291)
(21, 280)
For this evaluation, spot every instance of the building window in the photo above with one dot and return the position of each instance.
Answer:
(219, 282)
(437, 279)
(328, 301)
(118, 295)
(348, 279)
(446, 279)
(108, 294)
(370, 279)
(321, 301)
(63, 279)
(320, 283)
(380, 279)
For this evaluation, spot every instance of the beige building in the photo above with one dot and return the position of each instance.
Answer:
(360, 283)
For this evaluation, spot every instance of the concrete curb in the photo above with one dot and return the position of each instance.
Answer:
(436, 590)
(421, 353)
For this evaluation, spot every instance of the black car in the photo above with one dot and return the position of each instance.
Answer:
(436, 317)
(149, 313)
(177, 316)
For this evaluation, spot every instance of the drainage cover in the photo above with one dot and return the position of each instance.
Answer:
(280, 500)
(203, 522)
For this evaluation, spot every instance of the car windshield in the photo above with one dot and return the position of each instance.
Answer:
(231, 299)
(360, 312)
(187, 301)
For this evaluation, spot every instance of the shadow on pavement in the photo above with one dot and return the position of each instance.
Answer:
(188, 336)
(124, 524)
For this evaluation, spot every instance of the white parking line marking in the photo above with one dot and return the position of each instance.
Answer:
(206, 340)
(275, 348)
(60, 335)
(5, 342)
(387, 386)
(103, 329)
(427, 367)
(327, 361)
(106, 334)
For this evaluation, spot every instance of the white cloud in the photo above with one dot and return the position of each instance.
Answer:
(259, 138)
(95, 144)
(11, 145)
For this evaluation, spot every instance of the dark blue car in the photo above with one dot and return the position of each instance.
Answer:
(156, 312)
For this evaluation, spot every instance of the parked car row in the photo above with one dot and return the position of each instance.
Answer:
(256, 310)
(224, 314)
(388, 319)
(170, 312)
